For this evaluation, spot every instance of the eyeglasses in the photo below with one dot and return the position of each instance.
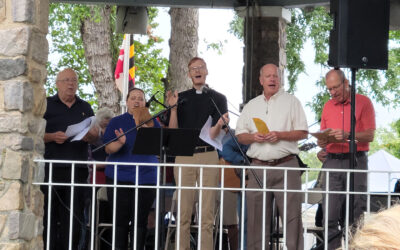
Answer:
(335, 88)
(199, 68)
(73, 80)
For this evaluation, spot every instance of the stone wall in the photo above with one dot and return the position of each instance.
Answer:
(23, 57)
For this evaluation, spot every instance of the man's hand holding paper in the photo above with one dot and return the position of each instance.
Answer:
(92, 135)
(263, 134)
(330, 136)
(59, 137)
(205, 135)
(261, 126)
(339, 135)
(80, 131)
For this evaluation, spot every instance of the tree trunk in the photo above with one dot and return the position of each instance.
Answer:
(183, 46)
(96, 36)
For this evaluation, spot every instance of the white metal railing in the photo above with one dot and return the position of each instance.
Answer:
(160, 231)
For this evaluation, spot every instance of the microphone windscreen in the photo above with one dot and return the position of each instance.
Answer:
(204, 89)
(149, 102)
(182, 101)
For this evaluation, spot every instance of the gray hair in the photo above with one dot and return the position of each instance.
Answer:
(103, 114)
(65, 70)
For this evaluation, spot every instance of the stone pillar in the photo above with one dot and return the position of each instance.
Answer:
(23, 57)
(265, 42)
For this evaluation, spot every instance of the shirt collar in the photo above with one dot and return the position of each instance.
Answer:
(57, 98)
(280, 92)
(347, 101)
(199, 91)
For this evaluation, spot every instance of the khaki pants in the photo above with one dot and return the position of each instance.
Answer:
(275, 180)
(191, 176)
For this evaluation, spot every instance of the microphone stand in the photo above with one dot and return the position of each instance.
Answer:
(320, 246)
(234, 139)
(162, 104)
(352, 142)
(140, 125)
(162, 199)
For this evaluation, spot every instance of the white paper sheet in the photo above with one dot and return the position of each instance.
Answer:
(205, 135)
(79, 130)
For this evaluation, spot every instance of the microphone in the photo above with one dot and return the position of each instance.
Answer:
(162, 104)
(153, 98)
(205, 89)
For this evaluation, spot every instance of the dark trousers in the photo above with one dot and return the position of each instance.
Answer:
(338, 182)
(125, 214)
(61, 206)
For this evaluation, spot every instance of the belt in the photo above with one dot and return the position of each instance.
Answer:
(273, 162)
(345, 156)
(203, 149)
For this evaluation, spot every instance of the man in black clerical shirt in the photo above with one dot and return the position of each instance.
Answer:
(193, 113)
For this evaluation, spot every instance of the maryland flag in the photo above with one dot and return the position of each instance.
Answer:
(119, 69)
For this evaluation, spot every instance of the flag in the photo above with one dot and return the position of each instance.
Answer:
(119, 69)
(131, 64)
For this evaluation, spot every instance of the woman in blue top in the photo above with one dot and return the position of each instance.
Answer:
(121, 151)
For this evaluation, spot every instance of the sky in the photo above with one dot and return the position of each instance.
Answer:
(225, 69)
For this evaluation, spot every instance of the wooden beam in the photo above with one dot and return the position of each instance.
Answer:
(202, 3)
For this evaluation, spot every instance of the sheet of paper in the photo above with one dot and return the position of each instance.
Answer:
(324, 135)
(79, 130)
(261, 126)
(321, 134)
(205, 135)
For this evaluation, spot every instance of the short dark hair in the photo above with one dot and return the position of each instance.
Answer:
(134, 88)
(196, 58)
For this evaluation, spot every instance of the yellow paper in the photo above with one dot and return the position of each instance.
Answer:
(261, 126)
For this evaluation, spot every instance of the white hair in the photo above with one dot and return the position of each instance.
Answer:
(102, 115)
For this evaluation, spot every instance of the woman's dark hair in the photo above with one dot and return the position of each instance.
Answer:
(134, 88)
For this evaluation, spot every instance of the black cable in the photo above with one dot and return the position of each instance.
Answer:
(81, 223)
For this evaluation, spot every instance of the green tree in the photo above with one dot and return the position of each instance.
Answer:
(310, 158)
(387, 139)
(66, 27)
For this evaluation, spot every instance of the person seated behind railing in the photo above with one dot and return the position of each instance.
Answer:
(378, 231)
(232, 155)
(103, 117)
(121, 151)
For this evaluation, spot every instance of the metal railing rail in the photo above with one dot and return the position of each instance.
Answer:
(243, 189)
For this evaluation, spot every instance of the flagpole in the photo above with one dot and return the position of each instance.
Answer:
(127, 43)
